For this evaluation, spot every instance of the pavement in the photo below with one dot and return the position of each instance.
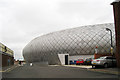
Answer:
(114, 70)
(80, 66)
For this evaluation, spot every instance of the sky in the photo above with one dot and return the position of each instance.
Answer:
(23, 20)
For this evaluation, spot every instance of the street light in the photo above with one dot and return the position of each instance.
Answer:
(111, 43)
(111, 39)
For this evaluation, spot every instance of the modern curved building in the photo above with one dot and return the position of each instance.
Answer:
(75, 41)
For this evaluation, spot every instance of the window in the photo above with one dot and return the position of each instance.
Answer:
(80, 60)
(109, 58)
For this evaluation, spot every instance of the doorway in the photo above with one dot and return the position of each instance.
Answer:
(66, 59)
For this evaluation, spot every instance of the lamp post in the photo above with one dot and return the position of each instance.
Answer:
(111, 39)
(111, 49)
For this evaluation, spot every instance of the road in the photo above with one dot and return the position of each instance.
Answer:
(53, 72)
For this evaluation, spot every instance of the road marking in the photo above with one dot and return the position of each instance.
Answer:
(2, 71)
(9, 69)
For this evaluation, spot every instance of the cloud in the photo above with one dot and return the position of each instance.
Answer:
(23, 20)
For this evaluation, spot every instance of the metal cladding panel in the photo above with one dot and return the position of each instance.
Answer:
(76, 41)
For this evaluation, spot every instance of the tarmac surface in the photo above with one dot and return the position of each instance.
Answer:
(110, 70)
(53, 71)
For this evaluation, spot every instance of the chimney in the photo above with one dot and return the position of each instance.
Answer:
(116, 9)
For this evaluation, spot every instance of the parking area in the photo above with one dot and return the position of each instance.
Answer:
(103, 61)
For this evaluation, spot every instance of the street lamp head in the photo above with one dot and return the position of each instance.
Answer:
(111, 37)
(107, 29)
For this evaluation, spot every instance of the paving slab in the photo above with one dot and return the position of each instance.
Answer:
(80, 66)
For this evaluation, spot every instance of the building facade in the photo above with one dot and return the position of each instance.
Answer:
(6, 55)
(116, 10)
(75, 41)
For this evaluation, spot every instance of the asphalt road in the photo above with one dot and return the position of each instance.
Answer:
(53, 72)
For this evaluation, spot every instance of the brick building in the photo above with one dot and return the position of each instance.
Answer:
(6, 56)
(116, 9)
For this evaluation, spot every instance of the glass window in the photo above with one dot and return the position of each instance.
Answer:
(102, 58)
(80, 60)
(109, 57)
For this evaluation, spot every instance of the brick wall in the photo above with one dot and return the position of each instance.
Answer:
(5, 60)
(100, 55)
(116, 8)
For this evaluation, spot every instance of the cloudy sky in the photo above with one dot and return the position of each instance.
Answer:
(23, 20)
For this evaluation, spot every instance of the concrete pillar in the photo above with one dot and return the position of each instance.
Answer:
(116, 9)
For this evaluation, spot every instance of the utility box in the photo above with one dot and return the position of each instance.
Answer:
(64, 59)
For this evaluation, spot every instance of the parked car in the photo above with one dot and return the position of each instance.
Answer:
(79, 61)
(71, 62)
(88, 61)
(105, 61)
(74, 61)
